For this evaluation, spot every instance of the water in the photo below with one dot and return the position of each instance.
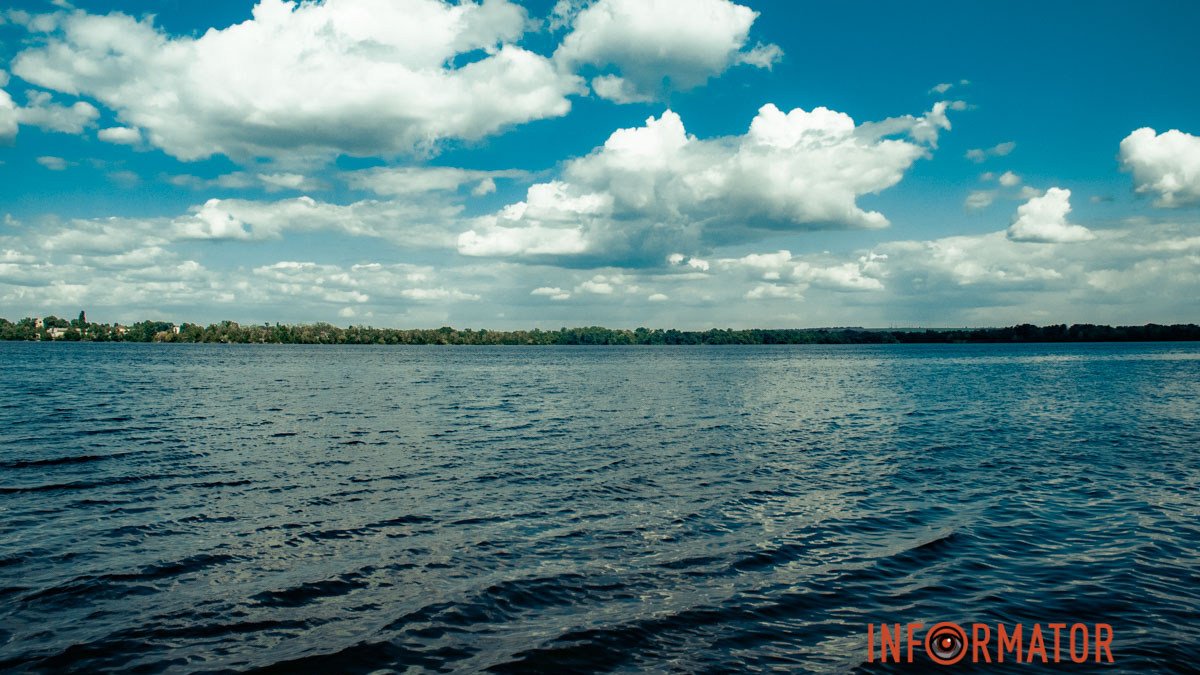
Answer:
(194, 508)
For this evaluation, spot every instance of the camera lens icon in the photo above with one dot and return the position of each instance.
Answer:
(946, 643)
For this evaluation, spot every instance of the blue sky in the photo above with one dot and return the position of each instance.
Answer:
(616, 162)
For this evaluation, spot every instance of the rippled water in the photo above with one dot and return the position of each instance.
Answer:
(191, 508)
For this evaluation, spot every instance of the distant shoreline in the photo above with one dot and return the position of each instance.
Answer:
(79, 330)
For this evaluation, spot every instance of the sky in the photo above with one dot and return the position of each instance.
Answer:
(659, 163)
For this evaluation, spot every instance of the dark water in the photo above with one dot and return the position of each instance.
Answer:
(349, 509)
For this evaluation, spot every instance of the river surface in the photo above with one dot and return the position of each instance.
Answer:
(212, 508)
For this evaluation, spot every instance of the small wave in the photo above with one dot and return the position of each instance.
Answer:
(298, 596)
(83, 485)
(55, 461)
(370, 657)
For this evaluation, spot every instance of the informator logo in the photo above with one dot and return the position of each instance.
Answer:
(947, 643)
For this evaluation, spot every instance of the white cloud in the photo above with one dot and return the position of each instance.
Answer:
(412, 180)
(941, 88)
(41, 112)
(598, 285)
(1009, 179)
(484, 187)
(950, 264)
(1166, 165)
(1142, 272)
(1136, 273)
(761, 56)
(413, 225)
(8, 118)
(552, 292)
(980, 199)
(618, 90)
(545, 224)
(410, 224)
(563, 13)
(125, 178)
(652, 43)
(437, 294)
(241, 180)
(789, 276)
(358, 284)
(287, 181)
(1044, 220)
(34, 23)
(845, 277)
(120, 135)
(1128, 275)
(523, 241)
(52, 163)
(309, 81)
(999, 150)
(654, 189)
(774, 292)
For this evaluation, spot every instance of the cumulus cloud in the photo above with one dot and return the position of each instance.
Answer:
(1166, 165)
(52, 163)
(980, 199)
(287, 181)
(1009, 179)
(783, 275)
(552, 292)
(563, 13)
(8, 118)
(978, 155)
(1044, 220)
(654, 189)
(120, 135)
(944, 87)
(40, 111)
(597, 285)
(542, 225)
(652, 44)
(309, 80)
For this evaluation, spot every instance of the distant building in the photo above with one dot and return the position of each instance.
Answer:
(56, 333)
(175, 329)
(38, 323)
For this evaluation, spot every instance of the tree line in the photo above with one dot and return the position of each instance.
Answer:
(323, 333)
